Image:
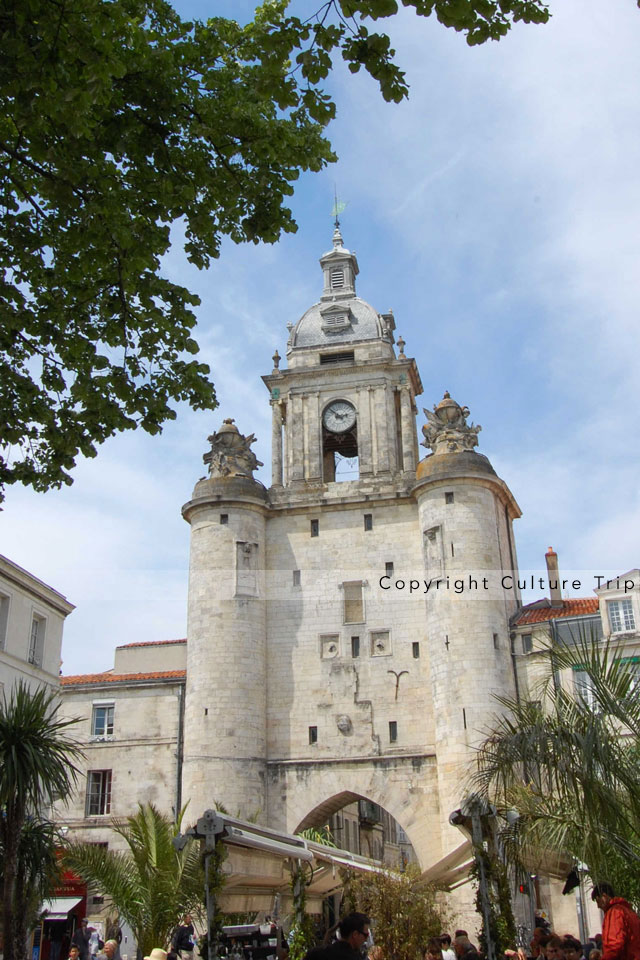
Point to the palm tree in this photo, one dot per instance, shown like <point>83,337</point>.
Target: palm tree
<point>36,768</point>
<point>152,884</point>
<point>38,871</point>
<point>569,764</point>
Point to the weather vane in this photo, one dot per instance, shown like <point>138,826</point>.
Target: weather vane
<point>338,207</point>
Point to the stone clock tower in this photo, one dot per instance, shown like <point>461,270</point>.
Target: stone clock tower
<point>319,670</point>
<point>345,392</point>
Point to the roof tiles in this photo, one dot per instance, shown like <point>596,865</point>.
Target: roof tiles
<point>576,607</point>
<point>149,643</point>
<point>109,677</point>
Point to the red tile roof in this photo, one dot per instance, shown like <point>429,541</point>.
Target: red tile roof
<point>148,643</point>
<point>576,607</point>
<point>109,677</point>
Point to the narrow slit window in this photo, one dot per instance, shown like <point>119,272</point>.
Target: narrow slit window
<point>296,578</point>
<point>496,641</point>
<point>368,521</point>
<point>393,731</point>
<point>388,569</point>
<point>315,528</point>
<point>313,734</point>
<point>416,650</point>
<point>355,647</point>
<point>452,551</point>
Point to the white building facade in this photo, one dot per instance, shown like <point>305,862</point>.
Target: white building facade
<point>32,616</point>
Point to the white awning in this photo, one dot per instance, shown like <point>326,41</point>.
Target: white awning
<point>59,908</point>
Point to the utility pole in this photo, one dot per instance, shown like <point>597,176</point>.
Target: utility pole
<point>208,831</point>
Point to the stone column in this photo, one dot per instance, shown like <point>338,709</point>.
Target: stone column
<point>276,444</point>
<point>392,427</point>
<point>314,438</point>
<point>408,431</point>
<point>380,420</point>
<point>297,437</point>
<point>365,450</point>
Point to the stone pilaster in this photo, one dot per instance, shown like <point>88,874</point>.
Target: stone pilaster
<point>408,433</point>
<point>276,444</point>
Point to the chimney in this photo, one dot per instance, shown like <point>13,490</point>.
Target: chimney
<point>553,576</point>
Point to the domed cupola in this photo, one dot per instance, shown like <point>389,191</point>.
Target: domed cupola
<point>340,317</point>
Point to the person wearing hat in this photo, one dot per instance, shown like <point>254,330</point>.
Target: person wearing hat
<point>157,954</point>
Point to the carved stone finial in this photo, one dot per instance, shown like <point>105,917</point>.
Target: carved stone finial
<point>276,361</point>
<point>401,344</point>
<point>231,454</point>
<point>447,430</point>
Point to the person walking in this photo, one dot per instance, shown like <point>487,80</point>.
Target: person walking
<point>621,925</point>
<point>183,937</point>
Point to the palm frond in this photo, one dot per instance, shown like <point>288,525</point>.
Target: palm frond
<point>569,766</point>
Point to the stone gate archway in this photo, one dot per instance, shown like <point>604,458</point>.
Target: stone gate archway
<point>306,793</point>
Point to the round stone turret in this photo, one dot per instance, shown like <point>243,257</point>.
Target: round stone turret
<point>225,714</point>
<point>466,513</point>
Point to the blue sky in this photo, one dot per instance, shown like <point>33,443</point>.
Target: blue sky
<point>497,212</point>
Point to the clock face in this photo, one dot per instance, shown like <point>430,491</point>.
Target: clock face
<point>339,416</point>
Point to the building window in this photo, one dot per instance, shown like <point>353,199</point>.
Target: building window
<point>4,619</point>
<point>98,793</point>
<point>368,521</point>
<point>527,642</point>
<point>621,615</point>
<point>393,731</point>
<point>313,734</point>
<point>416,650</point>
<point>36,641</point>
<point>496,642</point>
<point>296,578</point>
<point>315,528</point>
<point>388,569</point>
<point>583,688</point>
<point>224,518</point>
<point>331,358</point>
<point>102,720</point>
<point>353,601</point>
<point>355,647</point>
<point>448,498</point>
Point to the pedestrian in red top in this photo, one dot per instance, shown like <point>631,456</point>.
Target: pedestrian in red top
<point>621,925</point>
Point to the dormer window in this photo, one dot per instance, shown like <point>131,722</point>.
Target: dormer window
<point>337,278</point>
<point>335,320</point>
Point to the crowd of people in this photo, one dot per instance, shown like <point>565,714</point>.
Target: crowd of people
<point>351,939</point>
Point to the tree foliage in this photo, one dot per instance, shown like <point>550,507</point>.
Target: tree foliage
<point>120,120</point>
<point>152,885</point>
<point>36,768</point>
<point>405,913</point>
<point>569,765</point>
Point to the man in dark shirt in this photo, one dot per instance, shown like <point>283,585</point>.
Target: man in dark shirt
<point>183,937</point>
<point>354,932</point>
<point>81,938</point>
